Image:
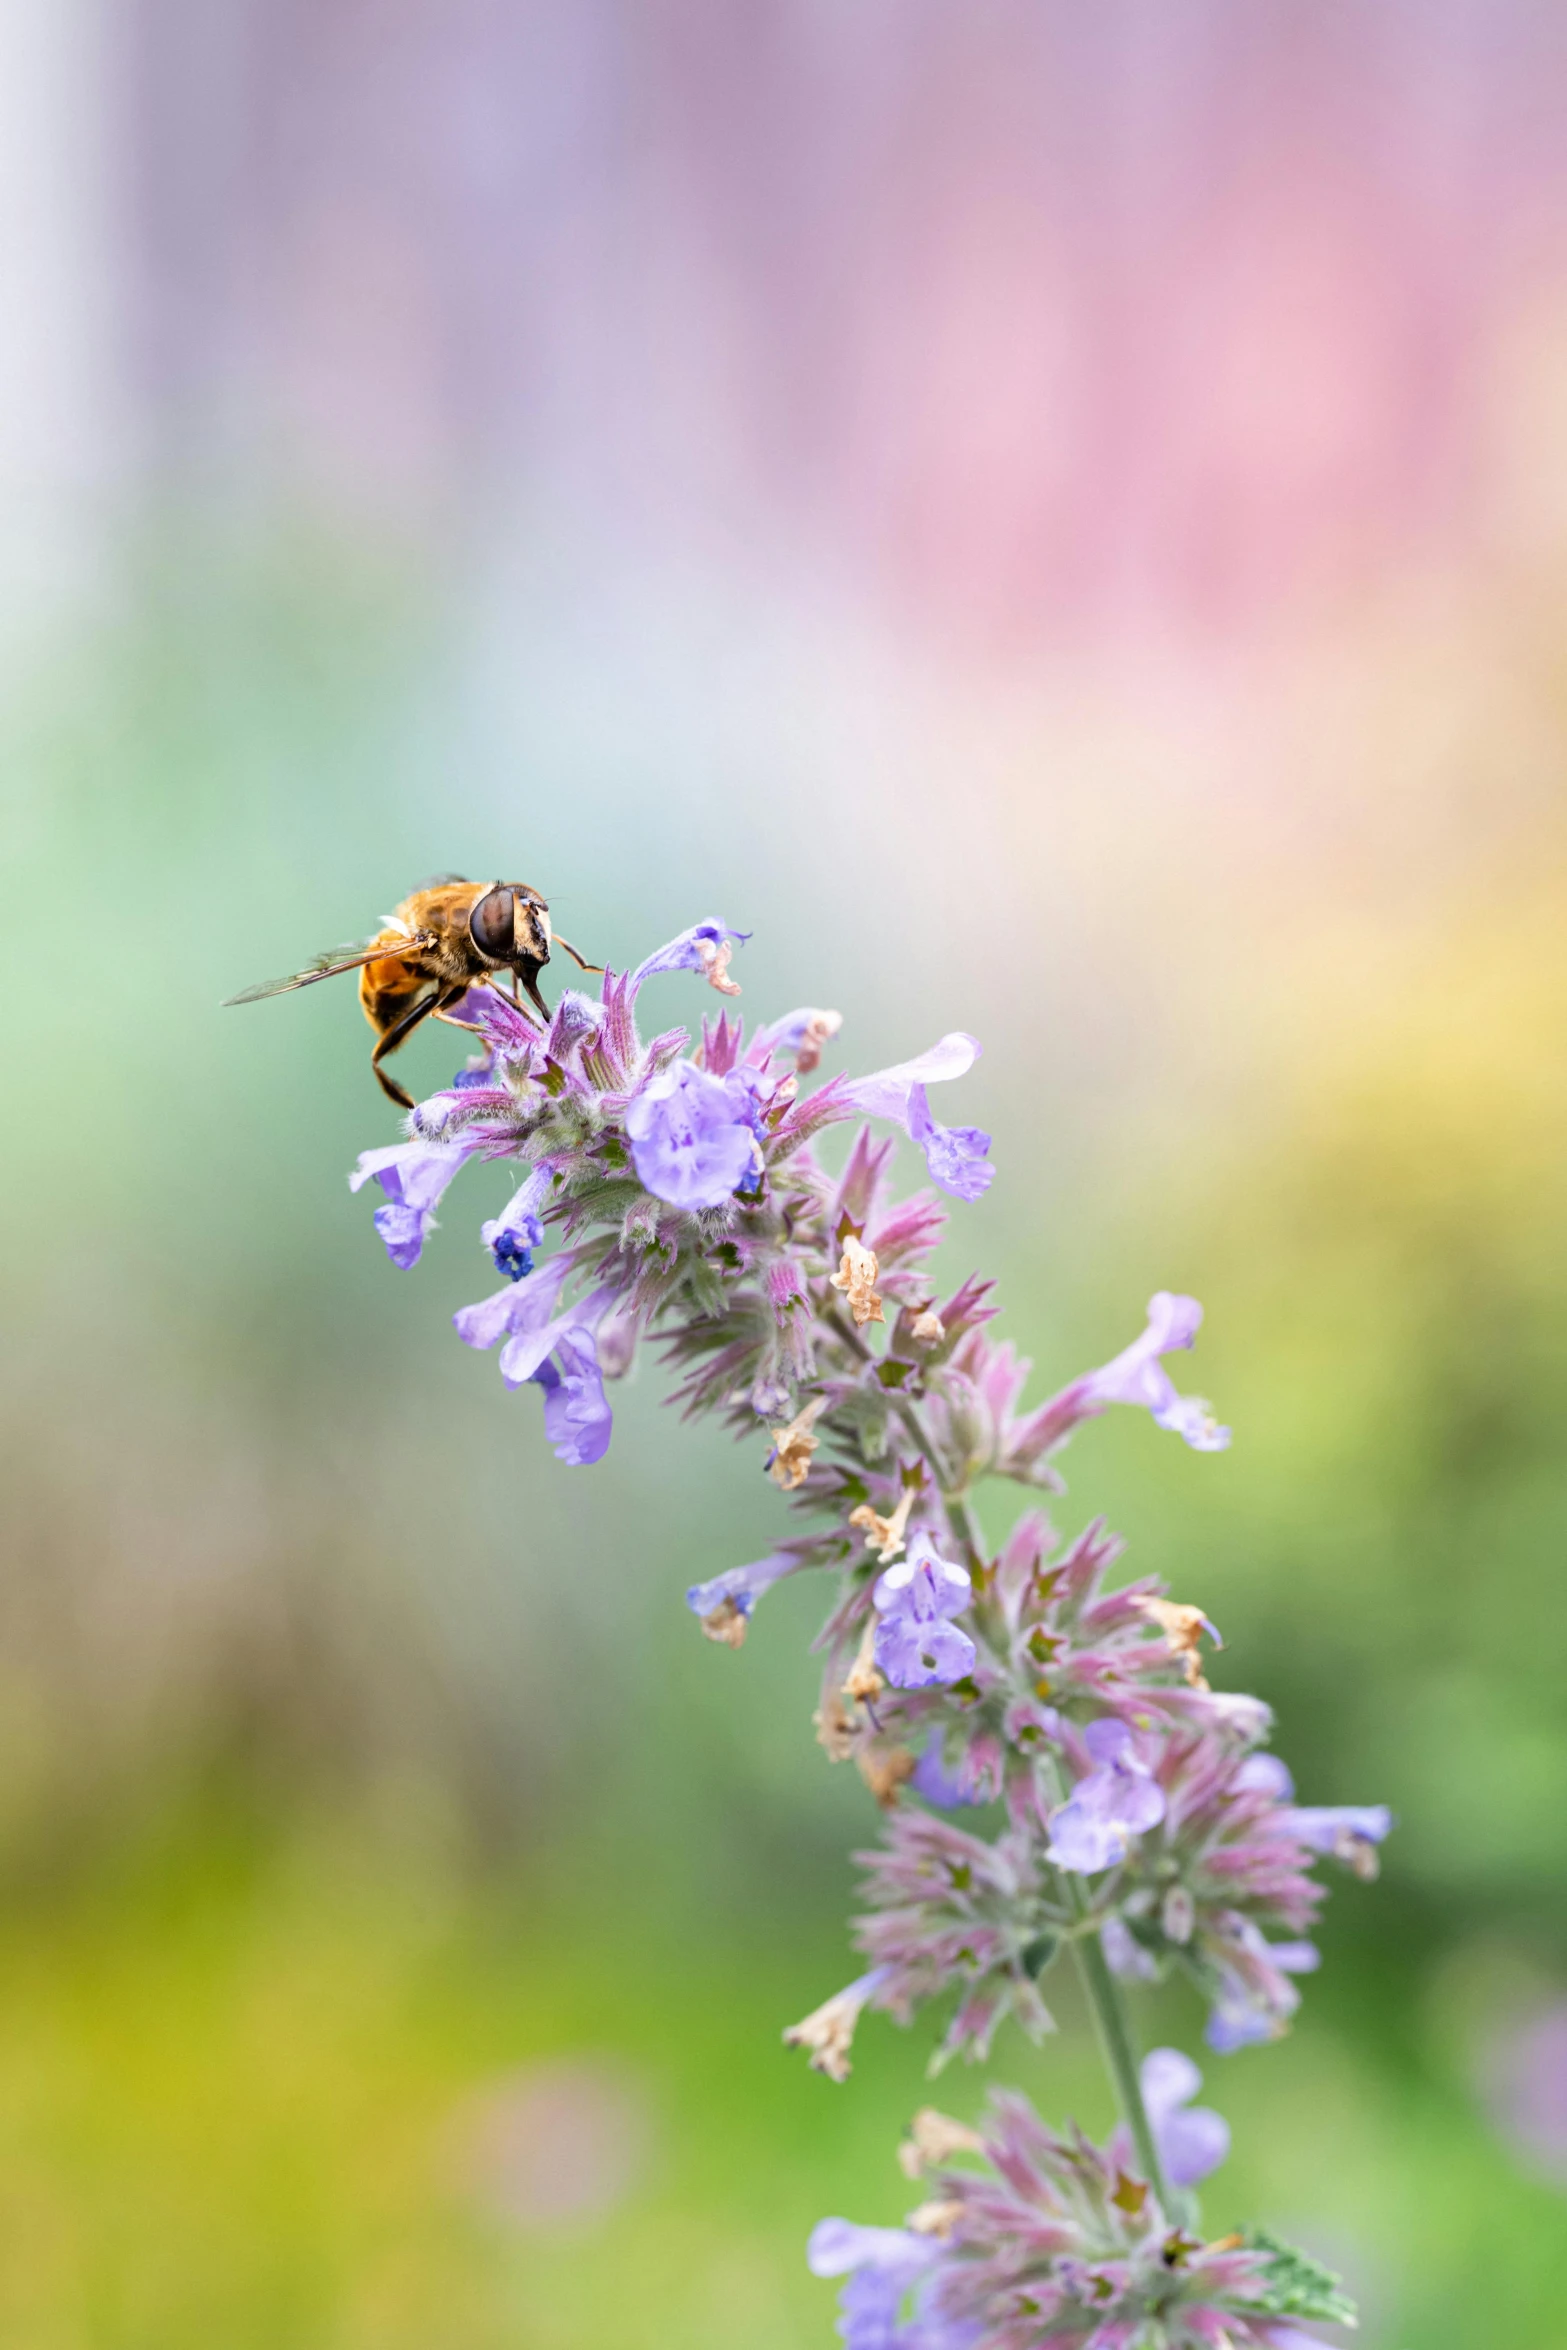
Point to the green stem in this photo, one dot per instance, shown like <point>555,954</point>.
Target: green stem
<point>963,1518</point>
<point>959,1509</point>
<point>960,1515</point>
<point>1113,2025</point>
<point>1115,2038</point>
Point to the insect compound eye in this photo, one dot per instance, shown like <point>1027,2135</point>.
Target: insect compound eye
<point>490,925</point>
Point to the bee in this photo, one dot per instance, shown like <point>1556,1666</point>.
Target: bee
<point>443,939</point>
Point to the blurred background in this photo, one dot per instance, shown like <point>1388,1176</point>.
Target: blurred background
<point>1056,518</point>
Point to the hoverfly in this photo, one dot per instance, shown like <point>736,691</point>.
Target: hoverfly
<point>442,940</point>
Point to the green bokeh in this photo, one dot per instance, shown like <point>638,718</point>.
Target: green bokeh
<point>354,1757</point>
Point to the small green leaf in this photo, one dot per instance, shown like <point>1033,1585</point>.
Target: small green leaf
<point>1294,2285</point>
<point>1036,1955</point>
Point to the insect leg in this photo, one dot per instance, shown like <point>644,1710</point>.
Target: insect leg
<point>399,1032</point>
<point>581,960</point>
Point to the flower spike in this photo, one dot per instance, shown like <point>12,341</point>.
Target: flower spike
<point>1056,1780</point>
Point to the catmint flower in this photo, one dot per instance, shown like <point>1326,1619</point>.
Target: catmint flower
<point>513,1235</point>
<point>513,1252</point>
<point>949,1909</point>
<point>948,1790</point>
<point>513,1311</point>
<point>1125,1955</point>
<point>828,2032</point>
<point>1118,1799</point>
<point>799,1036</point>
<point>723,1604</point>
<point>1058,2245</point>
<point>705,947</point>
<point>917,1644</point>
<point>837,2245</point>
<point>856,1277</point>
<point>691,1137</point>
<point>1138,1376</point>
<point>934,2138</point>
<point>955,1155</point>
<point>884,1535</point>
<point>1349,1832</point>
<point>1227,1872</point>
<point>1183,1628</point>
<point>865,1680</point>
<point>691,1210</point>
<point>1256,1998</point>
<point>577,1418</point>
<point>413,1175</point>
<point>1263,1774</point>
<point>881,2266</point>
<point>789,1462</point>
<point>529,1317</point>
<point>576,1018</point>
<point>1135,1376</point>
<point>1192,2140</point>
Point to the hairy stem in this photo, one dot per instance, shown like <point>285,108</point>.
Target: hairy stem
<point>963,1518</point>
<point>1115,2038</point>
<point>960,1514</point>
<point>1112,2025</point>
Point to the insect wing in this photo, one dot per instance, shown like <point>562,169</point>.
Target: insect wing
<point>328,966</point>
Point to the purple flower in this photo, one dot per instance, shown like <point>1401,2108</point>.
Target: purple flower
<point>576,1016</point>
<point>529,1317</point>
<point>838,2246</point>
<point>1234,2024</point>
<point>1125,1954</point>
<point>577,1418</point>
<point>705,947</point>
<point>739,1588</point>
<point>506,1034</point>
<point>1257,2001</point>
<point>413,1176</point>
<point>691,1137</point>
<point>513,1235</point>
<point>516,1312</point>
<point>1116,1801</point>
<point>955,1155</point>
<point>917,1646</point>
<point>881,2265</point>
<point>799,1036</point>
<point>948,1790</point>
<point>1137,1376</point>
<point>1349,1832</point>
<point>1263,1774</point>
<point>1192,2140</point>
